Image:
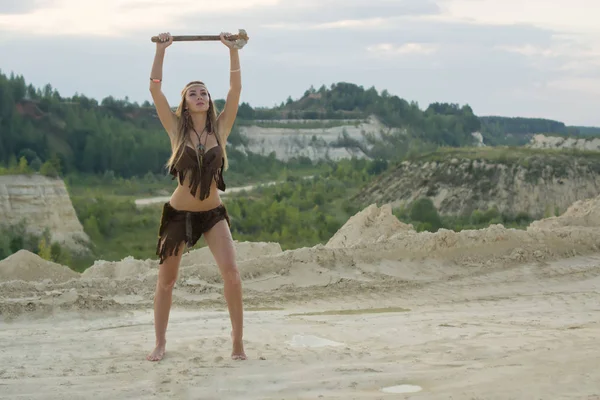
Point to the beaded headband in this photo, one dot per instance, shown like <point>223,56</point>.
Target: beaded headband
<point>191,85</point>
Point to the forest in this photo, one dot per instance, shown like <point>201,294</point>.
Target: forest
<point>78,134</point>
<point>83,135</point>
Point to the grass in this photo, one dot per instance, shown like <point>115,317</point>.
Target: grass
<point>503,154</point>
<point>537,162</point>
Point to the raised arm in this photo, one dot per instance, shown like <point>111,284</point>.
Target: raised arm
<point>166,116</point>
<point>227,117</point>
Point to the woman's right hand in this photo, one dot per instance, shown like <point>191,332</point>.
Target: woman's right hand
<point>164,41</point>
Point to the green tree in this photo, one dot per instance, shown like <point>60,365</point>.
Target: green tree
<point>23,167</point>
<point>45,250</point>
<point>51,167</point>
<point>91,227</point>
<point>423,210</point>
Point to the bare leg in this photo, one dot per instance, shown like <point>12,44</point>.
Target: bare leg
<point>220,242</point>
<point>163,297</point>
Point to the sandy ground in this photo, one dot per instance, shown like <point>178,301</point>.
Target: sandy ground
<point>489,314</point>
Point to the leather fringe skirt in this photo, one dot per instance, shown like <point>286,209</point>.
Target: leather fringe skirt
<point>179,226</point>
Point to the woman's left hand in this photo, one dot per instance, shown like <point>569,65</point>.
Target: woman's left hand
<point>226,41</point>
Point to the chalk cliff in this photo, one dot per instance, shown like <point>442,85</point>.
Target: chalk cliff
<point>341,139</point>
<point>42,202</point>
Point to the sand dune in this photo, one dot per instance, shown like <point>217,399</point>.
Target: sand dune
<point>494,313</point>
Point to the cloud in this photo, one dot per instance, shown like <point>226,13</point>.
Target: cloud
<point>389,49</point>
<point>504,58</point>
<point>573,24</point>
<point>530,50</point>
<point>370,23</point>
<point>306,15</point>
<point>9,7</point>
<point>113,17</point>
<point>360,9</point>
<point>558,15</point>
<point>313,12</point>
<point>120,17</point>
<point>564,55</point>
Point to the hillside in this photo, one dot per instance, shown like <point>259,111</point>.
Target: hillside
<point>516,181</point>
<point>518,131</point>
<point>93,137</point>
<point>125,139</point>
<point>540,141</point>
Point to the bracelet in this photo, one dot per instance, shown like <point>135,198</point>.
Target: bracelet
<point>156,80</point>
<point>235,70</point>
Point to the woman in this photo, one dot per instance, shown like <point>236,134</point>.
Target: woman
<point>198,139</point>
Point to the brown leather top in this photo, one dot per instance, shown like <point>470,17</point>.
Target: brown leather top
<point>212,167</point>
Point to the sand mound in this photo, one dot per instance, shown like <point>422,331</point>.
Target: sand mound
<point>373,250</point>
<point>243,251</point>
<point>375,234</point>
<point>128,267</point>
<point>583,213</point>
<point>27,266</point>
<point>371,225</point>
<point>131,268</point>
<point>308,264</point>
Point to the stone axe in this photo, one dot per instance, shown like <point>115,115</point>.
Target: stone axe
<point>239,40</point>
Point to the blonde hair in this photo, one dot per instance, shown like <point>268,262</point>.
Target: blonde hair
<point>185,122</point>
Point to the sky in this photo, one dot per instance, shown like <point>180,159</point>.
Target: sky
<point>526,58</point>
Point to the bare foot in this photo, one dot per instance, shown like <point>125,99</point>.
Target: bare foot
<point>158,353</point>
<point>238,349</point>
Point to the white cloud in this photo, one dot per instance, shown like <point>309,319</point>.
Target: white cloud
<point>575,22</point>
<point>572,15</point>
<point>354,23</point>
<point>115,17</point>
<point>572,54</point>
<point>369,23</point>
<point>389,49</point>
<point>530,50</point>
<point>565,55</point>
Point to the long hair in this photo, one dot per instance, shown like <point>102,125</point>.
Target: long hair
<point>185,122</point>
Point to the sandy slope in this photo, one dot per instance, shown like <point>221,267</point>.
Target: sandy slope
<point>489,314</point>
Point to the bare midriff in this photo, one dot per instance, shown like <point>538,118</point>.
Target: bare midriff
<point>182,199</point>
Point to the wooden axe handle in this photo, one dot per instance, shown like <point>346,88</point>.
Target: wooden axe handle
<point>193,38</point>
